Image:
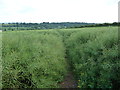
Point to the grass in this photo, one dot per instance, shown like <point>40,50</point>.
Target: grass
<point>37,59</point>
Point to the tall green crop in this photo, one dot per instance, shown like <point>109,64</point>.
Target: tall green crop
<point>32,59</point>
<point>36,59</point>
<point>94,57</point>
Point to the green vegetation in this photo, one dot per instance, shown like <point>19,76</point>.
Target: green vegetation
<point>93,54</point>
<point>37,59</point>
<point>32,59</point>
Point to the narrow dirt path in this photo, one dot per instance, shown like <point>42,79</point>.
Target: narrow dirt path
<point>69,80</point>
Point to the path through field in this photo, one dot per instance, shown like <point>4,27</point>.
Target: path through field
<point>69,80</point>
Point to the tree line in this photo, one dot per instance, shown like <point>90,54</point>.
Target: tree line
<point>47,25</point>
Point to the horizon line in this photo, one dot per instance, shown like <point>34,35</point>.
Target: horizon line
<point>56,22</point>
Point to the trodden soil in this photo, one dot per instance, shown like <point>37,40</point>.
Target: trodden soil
<point>69,81</point>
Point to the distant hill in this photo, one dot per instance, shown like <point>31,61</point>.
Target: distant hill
<point>44,25</point>
<point>54,25</point>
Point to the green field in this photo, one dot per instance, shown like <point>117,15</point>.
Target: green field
<point>41,58</point>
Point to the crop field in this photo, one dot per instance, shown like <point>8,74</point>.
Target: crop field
<point>42,58</point>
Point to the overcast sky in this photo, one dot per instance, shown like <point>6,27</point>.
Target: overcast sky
<point>97,11</point>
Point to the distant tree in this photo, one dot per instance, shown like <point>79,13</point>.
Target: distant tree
<point>115,23</point>
<point>17,25</point>
<point>4,29</point>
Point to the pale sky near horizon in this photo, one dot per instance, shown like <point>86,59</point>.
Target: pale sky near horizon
<point>94,11</point>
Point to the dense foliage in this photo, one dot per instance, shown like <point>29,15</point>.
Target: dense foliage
<point>93,54</point>
<point>36,59</point>
<point>32,59</point>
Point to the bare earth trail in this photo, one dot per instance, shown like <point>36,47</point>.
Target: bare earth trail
<point>69,80</point>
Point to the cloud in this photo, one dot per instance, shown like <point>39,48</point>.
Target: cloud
<point>58,10</point>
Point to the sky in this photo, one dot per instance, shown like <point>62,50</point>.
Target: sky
<point>36,11</point>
